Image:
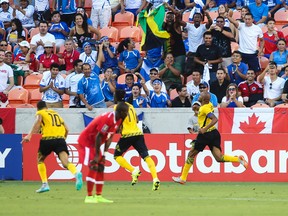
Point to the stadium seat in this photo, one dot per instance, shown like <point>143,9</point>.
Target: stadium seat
<point>138,47</point>
<point>20,80</point>
<point>284,105</point>
<point>173,94</point>
<point>33,32</point>
<point>120,25</point>
<point>125,17</point>
<point>26,105</point>
<point>26,33</point>
<point>35,96</point>
<point>189,78</point>
<point>263,62</point>
<point>121,78</point>
<point>285,31</point>
<point>32,81</point>
<point>111,32</point>
<point>65,99</point>
<point>88,7</point>
<point>185,16</point>
<point>18,96</point>
<point>260,105</point>
<point>130,31</point>
<point>236,14</point>
<point>281,17</point>
<point>213,15</point>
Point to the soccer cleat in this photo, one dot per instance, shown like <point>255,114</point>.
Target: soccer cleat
<point>90,199</point>
<point>101,199</point>
<point>135,175</point>
<point>178,180</point>
<point>156,184</point>
<point>79,181</point>
<point>44,188</point>
<point>243,161</point>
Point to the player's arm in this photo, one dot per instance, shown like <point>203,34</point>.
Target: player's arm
<point>35,129</point>
<point>214,120</point>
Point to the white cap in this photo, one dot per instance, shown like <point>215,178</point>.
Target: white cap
<point>24,44</point>
<point>3,1</point>
<point>48,44</point>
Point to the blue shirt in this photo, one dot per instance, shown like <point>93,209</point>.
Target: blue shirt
<point>96,70</point>
<point>106,91</point>
<point>130,58</point>
<point>90,88</point>
<point>62,7</point>
<point>213,99</point>
<point>158,101</point>
<point>271,3</point>
<point>258,11</point>
<point>126,88</point>
<point>109,62</point>
<point>137,100</point>
<point>1,26</point>
<point>244,2</point>
<point>59,35</point>
<point>234,77</point>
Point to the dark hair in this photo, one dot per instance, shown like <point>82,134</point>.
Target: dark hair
<point>19,27</point>
<point>75,63</point>
<point>198,14</point>
<point>54,65</point>
<point>119,95</point>
<point>55,12</point>
<point>179,87</point>
<point>207,33</point>
<point>85,65</point>
<point>221,17</point>
<point>84,24</point>
<point>130,99</point>
<point>237,52</point>
<point>222,69</point>
<point>123,44</point>
<point>41,104</point>
<point>249,14</point>
<point>273,63</point>
<point>270,19</point>
<point>281,39</point>
<point>43,21</point>
<point>129,75</point>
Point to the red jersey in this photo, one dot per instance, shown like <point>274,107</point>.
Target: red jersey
<point>46,61</point>
<point>70,58</point>
<point>105,124</point>
<point>33,64</point>
<point>270,42</point>
<point>247,90</point>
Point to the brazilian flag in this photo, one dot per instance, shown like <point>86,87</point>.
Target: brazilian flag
<point>151,23</point>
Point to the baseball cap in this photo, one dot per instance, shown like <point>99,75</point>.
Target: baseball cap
<point>4,1</point>
<point>154,69</point>
<point>24,44</point>
<point>86,44</point>
<point>203,84</point>
<point>48,44</point>
<point>196,103</point>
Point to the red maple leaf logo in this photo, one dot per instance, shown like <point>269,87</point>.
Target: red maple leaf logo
<point>252,126</point>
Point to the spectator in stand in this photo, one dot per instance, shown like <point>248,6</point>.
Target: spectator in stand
<point>136,99</point>
<point>203,87</point>
<point>271,37</point>
<point>127,86</point>
<point>237,70</point>
<point>17,49</point>
<point>42,10</point>
<point>170,72</point>
<point>59,29</point>
<point>244,10</point>
<point>280,56</point>
<point>6,12</point>
<point>232,98</point>
<point>273,85</point>
<point>52,86</point>
<point>222,37</point>
<point>129,60</point>
<point>157,98</point>
<point>71,84</point>
<point>24,12</point>
<point>250,90</point>
<point>193,85</point>
<point>219,86</point>
<point>273,6</point>
<point>193,126</point>
<point>110,57</point>
<point>2,31</point>
<point>183,99</point>
<point>88,56</point>
<point>284,95</point>
<point>48,58</point>
<point>131,6</point>
<point>15,32</point>
<point>285,75</point>
<point>195,37</point>
<point>108,86</point>
<point>259,12</point>
<point>240,3</point>
<point>89,89</point>
<point>153,75</point>
<point>248,42</point>
<point>82,32</point>
<point>208,54</point>
<point>26,59</point>
<point>67,8</point>
<point>82,11</point>
<point>38,40</point>
<point>69,55</point>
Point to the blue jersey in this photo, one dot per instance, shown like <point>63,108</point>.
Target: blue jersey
<point>109,62</point>
<point>158,101</point>
<point>130,58</point>
<point>137,101</point>
<point>61,6</point>
<point>258,11</point>
<point>2,27</point>
<point>126,88</point>
<point>234,77</point>
<point>90,88</point>
<point>96,70</point>
<point>106,91</point>
<point>59,35</point>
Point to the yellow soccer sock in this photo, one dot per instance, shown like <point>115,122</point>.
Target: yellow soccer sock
<point>151,166</point>
<point>228,158</point>
<point>71,167</point>
<point>42,172</point>
<point>186,168</point>
<point>123,163</point>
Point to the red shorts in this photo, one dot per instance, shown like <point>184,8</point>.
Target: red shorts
<point>86,154</point>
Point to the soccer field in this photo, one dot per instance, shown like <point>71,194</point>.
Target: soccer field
<point>19,198</point>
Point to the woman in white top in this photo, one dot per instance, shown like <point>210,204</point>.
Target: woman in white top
<point>232,98</point>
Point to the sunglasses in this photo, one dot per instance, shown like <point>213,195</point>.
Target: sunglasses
<point>3,44</point>
<point>202,87</point>
<point>48,47</point>
<point>153,74</point>
<point>231,89</point>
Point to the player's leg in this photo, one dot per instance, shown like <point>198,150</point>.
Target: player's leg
<point>43,151</point>
<point>99,181</point>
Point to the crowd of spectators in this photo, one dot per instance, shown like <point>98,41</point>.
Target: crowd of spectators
<point>75,59</point>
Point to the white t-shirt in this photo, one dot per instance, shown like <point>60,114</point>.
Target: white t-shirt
<point>195,36</point>
<point>248,38</point>
<point>133,4</point>
<point>91,59</point>
<point>5,72</point>
<point>273,89</point>
<point>100,4</point>
<point>38,37</point>
<point>71,82</point>
<point>27,19</point>
<point>6,16</point>
<point>192,89</point>
<point>50,95</point>
<point>42,5</point>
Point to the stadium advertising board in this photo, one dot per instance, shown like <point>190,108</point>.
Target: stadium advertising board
<point>10,157</point>
<point>267,155</point>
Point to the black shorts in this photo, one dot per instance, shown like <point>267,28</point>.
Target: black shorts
<point>212,139</point>
<point>137,142</point>
<point>55,145</point>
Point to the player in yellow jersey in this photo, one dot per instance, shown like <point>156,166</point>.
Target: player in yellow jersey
<point>131,135</point>
<point>207,135</point>
<point>54,132</point>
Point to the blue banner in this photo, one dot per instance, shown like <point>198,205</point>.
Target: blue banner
<point>11,157</point>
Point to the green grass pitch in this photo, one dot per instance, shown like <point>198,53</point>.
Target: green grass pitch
<point>193,198</point>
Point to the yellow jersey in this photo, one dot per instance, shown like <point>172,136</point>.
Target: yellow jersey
<point>129,126</point>
<point>203,114</point>
<point>52,125</point>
